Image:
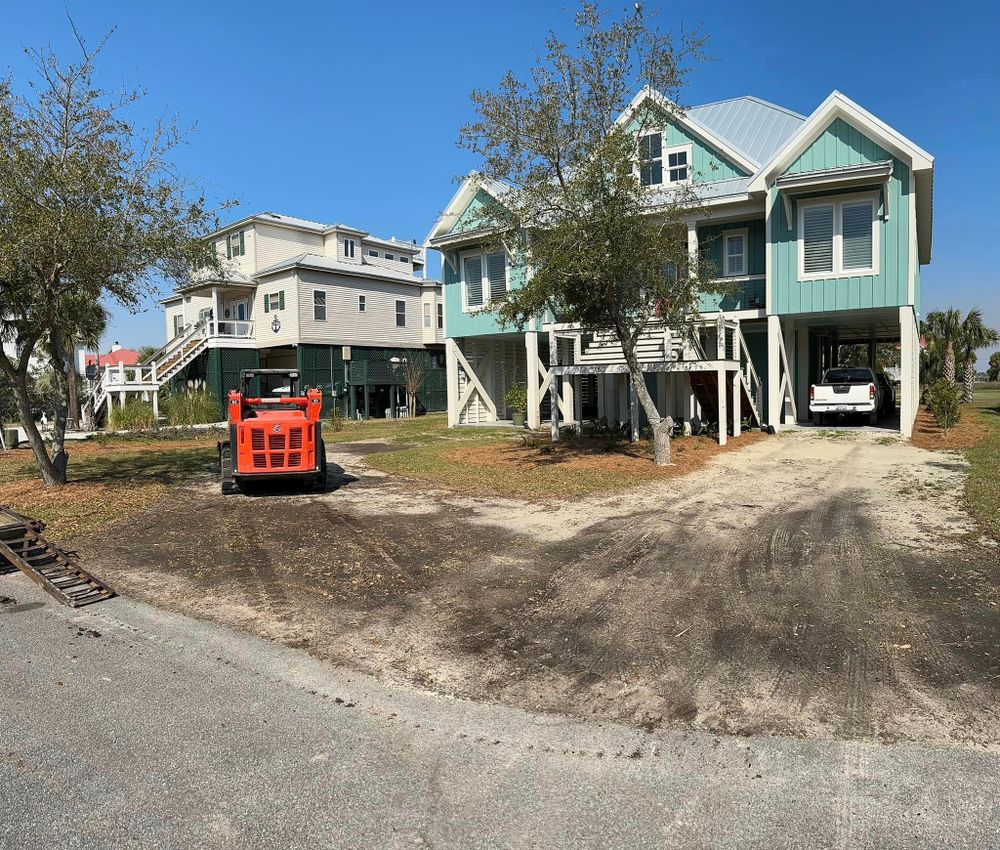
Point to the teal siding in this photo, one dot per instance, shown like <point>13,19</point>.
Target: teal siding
<point>458,323</point>
<point>841,145</point>
<point>471,217</point>
<point>751,293</point>
<point>708,164</point>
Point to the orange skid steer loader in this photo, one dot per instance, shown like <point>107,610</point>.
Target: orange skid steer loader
<point>275,435</point>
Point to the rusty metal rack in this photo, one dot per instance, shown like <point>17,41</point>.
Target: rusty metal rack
<point>22,547</point>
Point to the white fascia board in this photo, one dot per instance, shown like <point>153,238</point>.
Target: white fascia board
<point>677,114</point>
<point>838,105</point>
<point>472,183</point>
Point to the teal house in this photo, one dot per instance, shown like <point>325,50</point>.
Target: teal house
<point>821,224</point>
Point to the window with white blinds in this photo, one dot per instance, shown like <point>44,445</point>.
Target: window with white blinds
<point>736,251</point>
<point>496,271</point>
<point>817,240</point>
<point>838,237</point>
<point>473,269</point>
<point>856,218</point>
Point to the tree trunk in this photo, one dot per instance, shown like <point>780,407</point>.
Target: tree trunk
<point>968,379</point>
<point>949,364</point>
<point>60,458</point>
<point>661,426</point>
<point>73,419</point>
<point>48,470</point>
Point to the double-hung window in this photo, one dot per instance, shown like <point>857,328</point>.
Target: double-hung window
<point>485,279</point>
<point>362,304</point>
<point>838,237</point>
<point>440,316</point>
<point>400,313</point>
<point>427,315</point>
<point>349,248</point>
<point>274,301</point>
<point>319,305</point>
<point>235,245</point>
<point>734,251</point>
<point>651,159</point>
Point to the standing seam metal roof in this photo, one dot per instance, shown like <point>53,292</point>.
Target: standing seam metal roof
<point>753,126</point>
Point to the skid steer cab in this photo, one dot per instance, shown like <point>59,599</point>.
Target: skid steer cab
<point>274,434</point>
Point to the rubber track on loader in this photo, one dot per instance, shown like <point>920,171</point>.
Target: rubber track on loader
<point>47,565</point>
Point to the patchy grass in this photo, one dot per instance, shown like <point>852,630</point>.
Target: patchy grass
<point>982,487</point>
<point>110,479</point>
<point>502,462</point>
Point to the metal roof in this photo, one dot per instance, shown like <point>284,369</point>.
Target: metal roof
<point>321,263</point>
<point>753,126</point>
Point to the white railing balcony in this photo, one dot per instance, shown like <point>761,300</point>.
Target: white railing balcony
<point>230,329</point>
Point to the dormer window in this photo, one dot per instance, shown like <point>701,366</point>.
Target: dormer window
<point>678,163</point>
<point>235,245</point>
<point>651,159</point>
<point>349,247</point>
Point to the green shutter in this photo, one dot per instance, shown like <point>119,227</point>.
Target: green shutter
<point>243,249</point>
<point>229,250</point>
<point>281,300</point>
<point>267,303</point>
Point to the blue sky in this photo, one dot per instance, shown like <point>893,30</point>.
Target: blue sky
<point>349,112</point>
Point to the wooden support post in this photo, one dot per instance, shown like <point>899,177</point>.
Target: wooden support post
<point>802,379</point>
<point>633,409</point>
<point>737,404</point>
<point>723,418</point>
<point>569,397</point>
<point>156,407</point>
<point>554,404</point>
<point>531,370</point>
<point>909,371</point>
<point>451,367</point>
<point>774,400</point>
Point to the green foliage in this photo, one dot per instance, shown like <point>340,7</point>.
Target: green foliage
<point>136,415</point>
<point>993,372</point>
<point>516,397</point>
<point>145,352</point>
<point>856,355</point>
<point>944,399</point>
<point>193,407</point>
<point>337,418</point>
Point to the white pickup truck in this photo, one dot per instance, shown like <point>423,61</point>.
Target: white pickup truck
<point>846,390</point>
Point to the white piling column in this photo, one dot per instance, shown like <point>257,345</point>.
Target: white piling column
<point>737,404</point>
<point>534,396</point>
<point>774,400</point>
<point>578,403</point>
<point>723,415</point>
<point>451,366</point>
<point>633,409</point>
<point>554,404</point>
<point>569,397</point>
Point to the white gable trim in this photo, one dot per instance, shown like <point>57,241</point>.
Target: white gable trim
<point>460,201</point>
<point>838,105</point>
<point>689,124</point>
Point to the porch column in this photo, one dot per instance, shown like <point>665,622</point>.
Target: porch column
<point>633,410</point>
<point>534,396</point>
<point>602,409</point>
<point>554,405</point>
<point>692,245</point>
<point>214,326</point>
<point>156,407</point>
<point>723,391</point>
<point>451,372</point>
<point>577,380</point>
<point>737,404</point>
<point>909,371</point>
<point>773,371</point>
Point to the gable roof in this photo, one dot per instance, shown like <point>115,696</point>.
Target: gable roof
<point>470,185</point>
<point>749,124</point>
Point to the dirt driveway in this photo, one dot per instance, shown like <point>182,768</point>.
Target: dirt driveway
<point>811,584</point>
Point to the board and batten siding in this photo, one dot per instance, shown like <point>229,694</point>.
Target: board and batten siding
<point>839,145</point>
<point>751,293</point>
<point>275,244</point>
<point>345,325</point>
<point>288,332</point>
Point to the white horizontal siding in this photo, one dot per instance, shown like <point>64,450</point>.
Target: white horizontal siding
<point>274,244</point>
<point>288,333</point>
<point>345,325</point>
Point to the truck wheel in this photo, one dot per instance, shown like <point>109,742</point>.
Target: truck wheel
<point>817,418</point>
<point>226,470</point>
<point>873,418</point>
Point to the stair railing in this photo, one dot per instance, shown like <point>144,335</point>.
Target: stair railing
<point>754,385</point>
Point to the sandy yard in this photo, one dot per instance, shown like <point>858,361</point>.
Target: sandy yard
<point>812,584</point>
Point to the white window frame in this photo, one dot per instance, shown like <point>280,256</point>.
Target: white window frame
<point>732,234</point>
<point>396,312</point>
<point>373,253</point>
<point>837,202</point>
<point>440,315</point>
<point>234,244</point>
<point>662,158</point>
<point>487,297</point>
<point>403,258</point>
<point>350,248</point>
<point>389,256</point>
<point>428,321</point>
<point>686,149</point>
<point>362,303</point>
<point>315,305</point>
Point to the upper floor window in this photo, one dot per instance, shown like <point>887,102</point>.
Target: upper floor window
<point>838,237</point>
<point>362,304</point>
<point>389,256</point>
<point>400,313</point>
<point>678,163</point>
<point>319,305</point>
<point>372,252</point>
<point>440,316</point>
<point>349,248</point>
<point>427,316</point>
<point>734,250</point>
<point>274,301</point>
<point>235,245</point>
<point>403,258</point>
<point>178,324</point>
<point>651,159</point>
<point>484,278</point>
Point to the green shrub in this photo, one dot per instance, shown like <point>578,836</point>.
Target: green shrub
<point>516,397</point>
<point>136,415</point>
<point>194,407</point>
<point>337,418</point>
<point>944,400</point>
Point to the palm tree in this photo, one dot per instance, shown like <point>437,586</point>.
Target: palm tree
<point>974,335</point>
<point>942,329</point>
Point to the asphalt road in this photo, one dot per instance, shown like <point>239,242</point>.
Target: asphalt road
<point>124,726</point>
